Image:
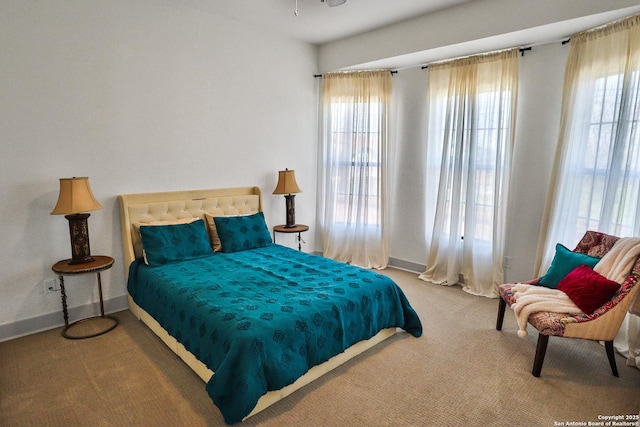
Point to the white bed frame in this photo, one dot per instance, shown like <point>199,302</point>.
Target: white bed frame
<point>149,207</point>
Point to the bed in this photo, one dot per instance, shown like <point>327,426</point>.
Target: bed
<point>266,318</point>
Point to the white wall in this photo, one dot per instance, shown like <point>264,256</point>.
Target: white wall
<point>139,96</point>
<point>408,152</point>
<point>152,96</point>
<point>537,128</point>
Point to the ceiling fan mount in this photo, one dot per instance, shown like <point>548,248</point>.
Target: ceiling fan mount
<point>333,3</point>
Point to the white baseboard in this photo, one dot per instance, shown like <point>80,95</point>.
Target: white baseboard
<point>407,265</point>
<point>399,264</point>
<point>55,320</point>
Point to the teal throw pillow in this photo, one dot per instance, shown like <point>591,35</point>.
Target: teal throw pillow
<point>176,242</point>
<point>239,233</point>
<point>563,263</point>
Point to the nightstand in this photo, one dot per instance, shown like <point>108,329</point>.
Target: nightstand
<point>298,228</point>
<point>63,268</point>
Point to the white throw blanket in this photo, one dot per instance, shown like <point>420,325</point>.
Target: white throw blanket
<point>534,298</point>
<point>618,262</point>
<point>615,265</point>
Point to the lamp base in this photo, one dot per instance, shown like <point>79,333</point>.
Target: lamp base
<point>79,233</point>
<point>291,210</point>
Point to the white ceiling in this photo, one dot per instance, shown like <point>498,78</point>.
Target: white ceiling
<point>316,22</point>
<point>549,33</point>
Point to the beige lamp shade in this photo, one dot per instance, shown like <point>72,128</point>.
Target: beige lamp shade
<point>75,197</point>
<point>287,183</point>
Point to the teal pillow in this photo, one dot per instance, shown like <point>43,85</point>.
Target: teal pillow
<point>239,233</point>
<point>563,263</point>
<point>176,242</point>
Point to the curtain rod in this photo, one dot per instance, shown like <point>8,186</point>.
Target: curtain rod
<point>391,71</point>
<point>522,50</point>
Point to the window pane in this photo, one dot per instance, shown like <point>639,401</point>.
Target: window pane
<point>354,142</point>
<point>610,187</point>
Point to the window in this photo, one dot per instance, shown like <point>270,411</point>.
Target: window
<point>596,177</point>
<point>609,193</point>
<point>471,104</point>
<point>353,165</point>
<point>484,127</point>
<point>358,163</point>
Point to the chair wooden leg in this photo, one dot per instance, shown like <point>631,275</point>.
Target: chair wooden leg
<point>501,307</point>
<point>612,358</point>
<point>541,349</point>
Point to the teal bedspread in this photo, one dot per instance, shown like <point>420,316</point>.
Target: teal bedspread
<point>262,318</point>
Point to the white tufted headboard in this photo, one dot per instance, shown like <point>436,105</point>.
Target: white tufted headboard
<point>149,207</point>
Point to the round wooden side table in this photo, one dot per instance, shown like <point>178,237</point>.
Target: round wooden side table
<point>298,228</point>
<point>63,268</point>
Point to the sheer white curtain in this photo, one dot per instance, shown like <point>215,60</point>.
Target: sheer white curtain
<point>596,176</point>
<point>355,106</point>
<point>471,108</point>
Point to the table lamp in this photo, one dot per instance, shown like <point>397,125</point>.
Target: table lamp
<point>74,200</point>
<point>287,185</point>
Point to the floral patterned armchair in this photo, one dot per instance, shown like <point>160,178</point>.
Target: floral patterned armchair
<point>601,325</point>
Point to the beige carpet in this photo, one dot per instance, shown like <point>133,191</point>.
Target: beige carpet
<point>461,372</point>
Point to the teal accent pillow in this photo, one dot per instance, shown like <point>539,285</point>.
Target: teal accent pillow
<point>239,233</point>
<point>563,263</point>
<point>176,242</point>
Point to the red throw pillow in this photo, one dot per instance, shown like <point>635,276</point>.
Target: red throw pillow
<point>588,289</point>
